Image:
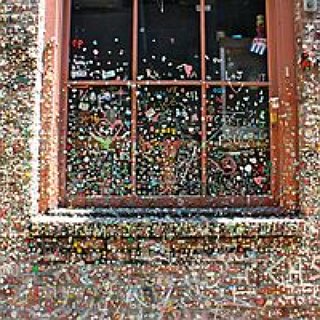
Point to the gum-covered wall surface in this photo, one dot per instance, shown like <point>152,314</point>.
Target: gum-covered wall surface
<point>152,268</point>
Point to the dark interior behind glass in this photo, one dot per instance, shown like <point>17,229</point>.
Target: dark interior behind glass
<point>101,39</point>
<point>169,39</point>
<point>231,27</point>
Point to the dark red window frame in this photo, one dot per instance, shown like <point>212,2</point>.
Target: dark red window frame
<point>281,84</point>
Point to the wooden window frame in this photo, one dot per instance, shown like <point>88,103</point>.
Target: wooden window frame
<point>283,131</point>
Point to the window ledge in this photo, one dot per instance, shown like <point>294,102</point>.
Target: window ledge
<point>170,237</point>
<point>168,223</point>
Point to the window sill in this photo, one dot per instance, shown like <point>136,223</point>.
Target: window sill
<point>168,223</point>
<point>98,236</point>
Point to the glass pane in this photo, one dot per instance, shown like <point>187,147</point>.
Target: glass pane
<point>100,45</point>
<point>236,40</point>
<point>169,137</point>
<point>169,42</point>
<point>238,141</point>
<point>98,141</point>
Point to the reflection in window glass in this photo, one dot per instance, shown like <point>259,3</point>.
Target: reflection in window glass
<point>238,141</point>
<point>169,43</point>
<point>100,40</point>
<point>236,40</point>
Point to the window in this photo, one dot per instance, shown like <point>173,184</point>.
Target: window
<point>174,103</point>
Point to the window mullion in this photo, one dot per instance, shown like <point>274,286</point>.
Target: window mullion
<point>203,100</point>
<point>134,71</point>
